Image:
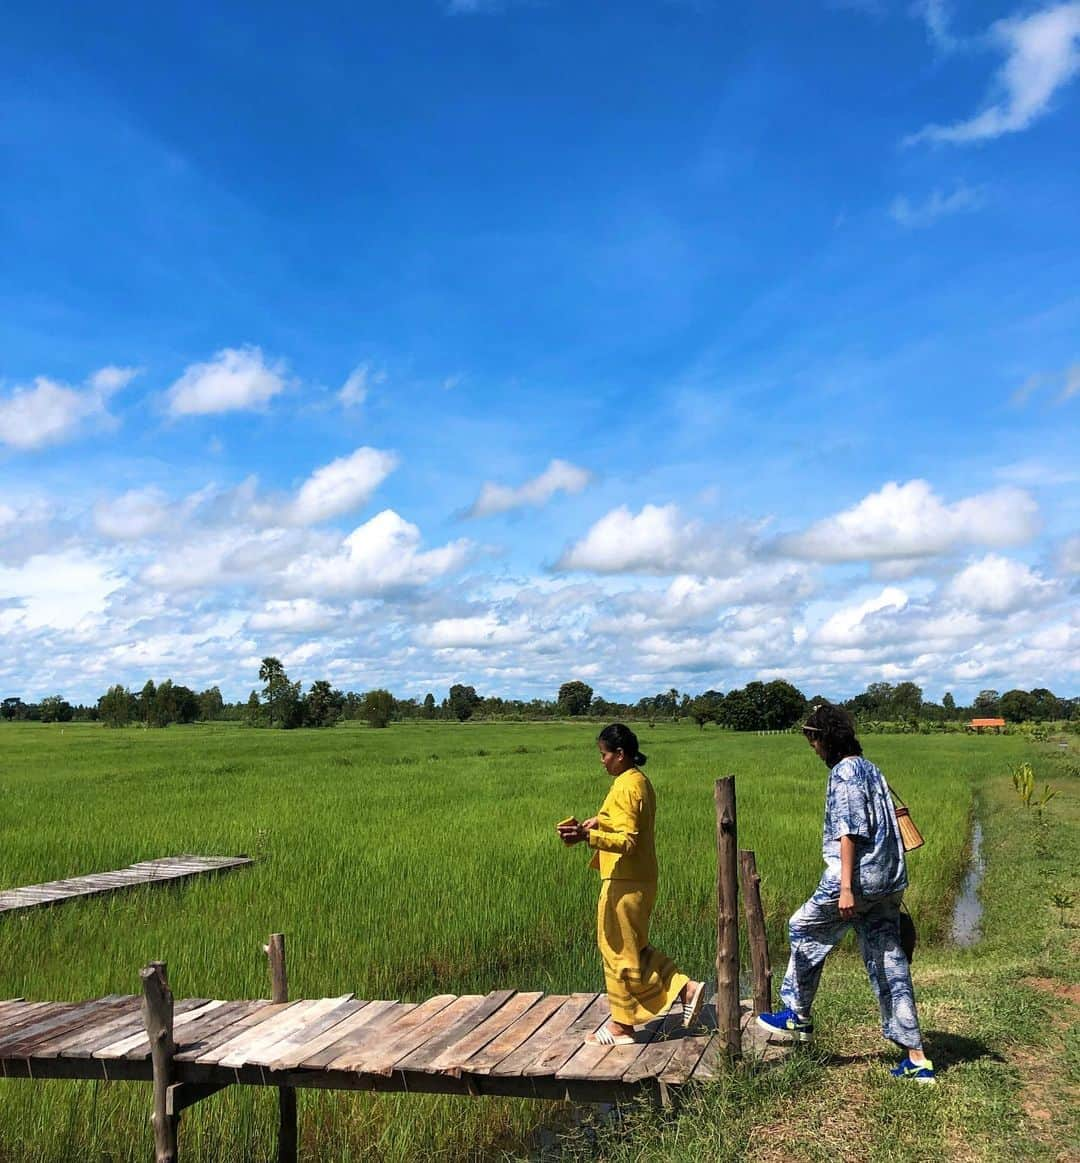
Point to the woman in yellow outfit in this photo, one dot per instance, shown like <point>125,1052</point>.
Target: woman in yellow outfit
<point>641,981</point>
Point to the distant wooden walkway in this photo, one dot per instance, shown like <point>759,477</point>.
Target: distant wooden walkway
<point>169,869</point>
<point>502,1043</point>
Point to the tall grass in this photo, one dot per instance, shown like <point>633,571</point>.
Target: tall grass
<point>399,863</point>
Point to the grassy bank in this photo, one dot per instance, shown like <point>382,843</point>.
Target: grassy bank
<point>400,863</point>
<point>1001,1020</point>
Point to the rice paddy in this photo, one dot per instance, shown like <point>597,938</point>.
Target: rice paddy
<point>399,863</point>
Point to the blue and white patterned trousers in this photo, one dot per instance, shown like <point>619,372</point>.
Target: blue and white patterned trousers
<point>817,928</point>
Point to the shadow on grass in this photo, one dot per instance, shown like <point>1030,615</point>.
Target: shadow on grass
<point>944,1050</point>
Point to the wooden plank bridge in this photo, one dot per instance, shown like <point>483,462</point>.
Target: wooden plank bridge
<point>525,1044</point>
<point>167,870</point>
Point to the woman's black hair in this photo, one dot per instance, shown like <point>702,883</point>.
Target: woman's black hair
<point>619,737</point>
<point>834,727</point>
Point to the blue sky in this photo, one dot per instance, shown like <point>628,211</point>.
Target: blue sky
<point>666,343</point>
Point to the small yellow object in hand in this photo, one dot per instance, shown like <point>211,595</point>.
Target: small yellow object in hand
<point>567,822</point>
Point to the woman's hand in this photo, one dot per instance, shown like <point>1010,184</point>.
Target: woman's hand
<point>846,904</point>
<point>572,833</point>
<point>590,823</point>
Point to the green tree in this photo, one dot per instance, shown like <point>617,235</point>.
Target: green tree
<point>1017,706</point>
<point>211,704</point>
<point>1047,705</point>
<point>428,711</point>
<point>462,702</point>
<point>146,702</point>
<point>56,709</point>
<point>278,692</point>
<point>783,705</point>
<point>378,706</point>
<point>323,704</point>
<point>706,708</point>
<point>949,703</point>
<point>115,706</point>
<point>253,712</point>
<point>986,704</point>
<point>906,702</point>
<point>574,698</point>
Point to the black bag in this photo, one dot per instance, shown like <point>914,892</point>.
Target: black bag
<point>908,936</point>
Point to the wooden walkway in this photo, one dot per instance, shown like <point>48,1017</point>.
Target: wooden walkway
<point>169,869</point>
<point>501,1043</point>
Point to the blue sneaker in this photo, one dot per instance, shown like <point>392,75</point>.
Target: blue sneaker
<point>915,1071</point>
<point>787,1026</point>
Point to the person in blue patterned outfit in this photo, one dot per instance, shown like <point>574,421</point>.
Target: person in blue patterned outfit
<point>861,888</point>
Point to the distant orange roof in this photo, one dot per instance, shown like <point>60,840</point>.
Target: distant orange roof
<point>987,723</point>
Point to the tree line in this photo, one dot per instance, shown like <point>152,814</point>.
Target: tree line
<point>758,706</point>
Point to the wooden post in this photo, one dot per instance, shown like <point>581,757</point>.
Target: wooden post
<point>279,992</point>
<point>157,1011</point>
<point>727,919</point>
<point>755,928</point>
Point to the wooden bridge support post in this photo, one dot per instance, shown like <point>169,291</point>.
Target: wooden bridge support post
<point>727,919</point>
<point>755,928</point>
<point>279,992</point>
<point>157,1011</point>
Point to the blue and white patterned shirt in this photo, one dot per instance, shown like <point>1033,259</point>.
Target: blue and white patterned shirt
<point>857,803</point>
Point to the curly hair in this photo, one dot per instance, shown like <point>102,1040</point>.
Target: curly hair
<point>833,726</point>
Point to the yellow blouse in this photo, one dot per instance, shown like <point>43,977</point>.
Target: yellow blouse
<point>623,840</point>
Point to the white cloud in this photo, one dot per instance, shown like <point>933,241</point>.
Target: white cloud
<point>296,616</point>
<point>133,515</point>
<point>340,486</point>
<point>1042,56</point>
<point>855,625</point>
<point>658,540</point>
<point>937,205</point>
<point>999,585</point>
<point>50,412</point>
<point>55,590</point>
<point>1070,554</point>
<point>935,14</point>
<point>355,389</point>
<point>236,379</point>
<point>559,476</point>
<point>479,632</point>
<point>910,520</point>
<point>380,556</point>
<point>1072,384</point>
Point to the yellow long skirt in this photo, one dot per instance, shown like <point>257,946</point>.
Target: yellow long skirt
<point>641,981</point>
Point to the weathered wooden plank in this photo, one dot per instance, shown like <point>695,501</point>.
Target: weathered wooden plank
<point>206,1040</point>
<point>469,1019</point>
<point>309,1031</point>
<point>247,1051</point>
<point>515,1035</point>
<point>298,1056</point>
<point>713,1060</point>
<point>50,1024</point>
<point>565,1044</point>
<point>81,1044</point>
<point>373,1050</point>
<point>651,1059</point>
<point>271,1018</point>
<point>516,1062</point>
<point>357,1038</point>
<point>91,1023</point>
<point>599,1061</point>
<point>31,1012</point>
<point>137,1045</point>
<point>680,1066</point>
<point>453,1058</point>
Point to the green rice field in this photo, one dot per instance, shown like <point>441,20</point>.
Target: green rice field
<point>400,863</point>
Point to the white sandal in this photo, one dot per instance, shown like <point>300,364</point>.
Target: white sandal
<point>604,1037</point>
<point>692,1008</point>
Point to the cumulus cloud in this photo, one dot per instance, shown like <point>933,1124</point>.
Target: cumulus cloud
<point>1070,554</point>
<point>658,540</point>
<point>999,585</point>
<point>295,616</point>
<point>55,590</point>
<point>559,477</point>
<point>381,556</point>
<point>856,624</point>
<point>910,520</point>
<point>340,486</point>
<point>479,632</point>
<point>135,514</point>
<point>938,205</point>
<point>1041,57</point>
<point>236,379</point>
<point>49,412</point>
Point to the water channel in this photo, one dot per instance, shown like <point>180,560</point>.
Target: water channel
<point>967,912</point>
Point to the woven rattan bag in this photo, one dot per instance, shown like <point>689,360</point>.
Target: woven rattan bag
<point>910,836</point>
